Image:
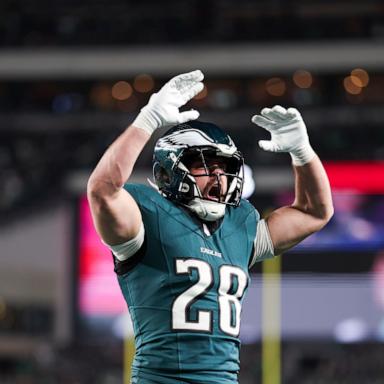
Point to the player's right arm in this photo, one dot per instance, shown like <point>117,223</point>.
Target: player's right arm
<point>115,213</point>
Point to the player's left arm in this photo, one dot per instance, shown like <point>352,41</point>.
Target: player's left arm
<point>312,207</point>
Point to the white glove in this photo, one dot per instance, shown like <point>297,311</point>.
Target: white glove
<point>162,109</point>
<point>288,133</point>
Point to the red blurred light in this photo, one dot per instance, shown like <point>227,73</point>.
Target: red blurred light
<point>361,177</point>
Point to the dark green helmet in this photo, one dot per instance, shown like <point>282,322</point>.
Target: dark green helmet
<point>178,148</point>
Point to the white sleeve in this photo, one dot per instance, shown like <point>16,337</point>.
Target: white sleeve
<point>126,250</point>
<point>263,246</point>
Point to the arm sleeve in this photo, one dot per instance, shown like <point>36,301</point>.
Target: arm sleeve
<point>262,245</point>
<point>126,250</point>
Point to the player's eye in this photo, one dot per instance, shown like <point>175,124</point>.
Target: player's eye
<point>215,165</point>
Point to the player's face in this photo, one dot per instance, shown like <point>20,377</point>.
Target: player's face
<point>213,186</point>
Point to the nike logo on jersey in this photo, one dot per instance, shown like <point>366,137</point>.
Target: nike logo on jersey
<point>210,252</point>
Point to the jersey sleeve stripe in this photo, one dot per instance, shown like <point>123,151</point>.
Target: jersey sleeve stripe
<point>263,246</point>
<point>126,250</point>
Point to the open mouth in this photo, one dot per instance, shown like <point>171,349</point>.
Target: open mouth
<point>214,193</point>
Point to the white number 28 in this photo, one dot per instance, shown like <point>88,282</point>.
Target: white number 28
<point>228,298</point>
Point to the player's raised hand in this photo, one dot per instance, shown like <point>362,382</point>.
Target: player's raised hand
<point>288,133</point>
<point>162,109</point>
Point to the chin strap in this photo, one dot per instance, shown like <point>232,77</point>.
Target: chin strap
<point>207,210</point>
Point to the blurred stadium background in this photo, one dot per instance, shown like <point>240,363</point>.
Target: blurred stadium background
<point>74,74</point>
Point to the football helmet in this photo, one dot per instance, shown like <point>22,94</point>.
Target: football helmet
<point>193,141</point>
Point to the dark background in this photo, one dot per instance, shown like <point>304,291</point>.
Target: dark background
<point>61,106</point>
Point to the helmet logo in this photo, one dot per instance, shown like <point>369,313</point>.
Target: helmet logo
<point>187,138</point>
<point>184,188</point>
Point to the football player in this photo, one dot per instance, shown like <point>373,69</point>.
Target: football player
<point>183,246</point>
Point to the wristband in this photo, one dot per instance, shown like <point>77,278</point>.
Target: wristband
<point>146,122</point>
<point>302,156</point>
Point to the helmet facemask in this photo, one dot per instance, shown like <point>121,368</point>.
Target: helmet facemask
<point>209,208</point>
<point>171,169</point>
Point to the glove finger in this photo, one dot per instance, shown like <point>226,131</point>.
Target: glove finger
<point>192,91</point>
<point>265,111</point>
<point>280,113</point>
<point>293,112</point>
<point>196,75</point>
<point>180,81</point>
<point>263,122</point>
<point>188,115</point>
<point>268,145</point>
<point>270,114</point>
<point>275,116</point>
<point>278,109</point>
<point>277,113</point>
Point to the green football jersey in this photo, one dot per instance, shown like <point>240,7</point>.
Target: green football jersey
<point>185,292</point>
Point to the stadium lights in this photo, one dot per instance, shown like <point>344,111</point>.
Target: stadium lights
<point>143,83</point>
<point>350,86</point>
<point>302,78</point>
<point>275,86</point>
<point>356,81</point>
<point>122,90</point>
<point>360,77</point>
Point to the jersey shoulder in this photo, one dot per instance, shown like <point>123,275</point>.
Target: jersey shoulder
<point>243,218</point>
<point>146,196</point>
<point>244,212</point>
<point>248,207</point>
<point>156,209</point>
